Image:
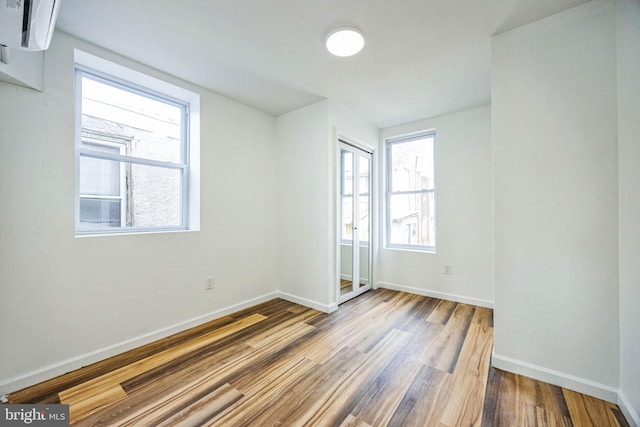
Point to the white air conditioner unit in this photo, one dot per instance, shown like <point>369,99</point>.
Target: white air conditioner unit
<point>27,24</point>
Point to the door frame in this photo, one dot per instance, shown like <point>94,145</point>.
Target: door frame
<point>358,145</point>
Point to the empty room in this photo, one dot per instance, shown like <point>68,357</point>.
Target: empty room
<point>322,213</point>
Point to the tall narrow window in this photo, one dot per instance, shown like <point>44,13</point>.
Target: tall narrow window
<point>133,168</point>
<point>411,207</point>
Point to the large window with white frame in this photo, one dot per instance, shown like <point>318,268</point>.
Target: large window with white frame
<point>136,169</point>
<point>410,190</point>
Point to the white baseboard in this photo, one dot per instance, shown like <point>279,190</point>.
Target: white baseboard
<point>561,379</point>
<point>52,371</point>
<point>435,294</point>
<point>326,308</point>
<point>625,406</point>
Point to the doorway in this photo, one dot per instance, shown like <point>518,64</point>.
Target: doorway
<point>355,193</point>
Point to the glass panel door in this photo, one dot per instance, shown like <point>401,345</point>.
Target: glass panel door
<point>347,223</point>
<point>364,220</point>
<point>354,258</point>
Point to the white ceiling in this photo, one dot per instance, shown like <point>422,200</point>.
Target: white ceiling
<point>422,58</point>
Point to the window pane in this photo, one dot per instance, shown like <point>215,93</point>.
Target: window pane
<point>99,177</point>
<point>347,172</point>
<point>364,165</point>
<point>134,195</point>
<point>103,148</point>
<point>346,191</point>
<point>100,213</point>
<point>412,165</point>
<point>152,127</point>
<point>363,227</point>
<point>155,197</point>
<point>412,219</point>
<point>347,218</point>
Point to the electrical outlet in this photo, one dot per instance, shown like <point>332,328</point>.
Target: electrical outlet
<point>447,269</point>
<point>209,283</point>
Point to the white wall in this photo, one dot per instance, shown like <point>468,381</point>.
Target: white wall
<point>66,301</point>
<point>629,164</point>
<point>307,193</point>
<point>464,232</point>
<point>304,189</point>
<point>555,186</point>
<point>346,121</point>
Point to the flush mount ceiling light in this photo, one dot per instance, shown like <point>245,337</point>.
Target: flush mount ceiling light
<point>345,41</point>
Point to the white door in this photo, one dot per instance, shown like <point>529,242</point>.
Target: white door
<point>355,188</point>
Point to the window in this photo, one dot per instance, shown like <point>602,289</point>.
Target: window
<point>411,210</point>
<point>136,151</point>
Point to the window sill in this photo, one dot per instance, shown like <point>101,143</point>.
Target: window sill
<point>131,233</point>
<point>431,251</point>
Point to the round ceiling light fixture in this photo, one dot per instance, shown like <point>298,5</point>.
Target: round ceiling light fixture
<point>345,41</point>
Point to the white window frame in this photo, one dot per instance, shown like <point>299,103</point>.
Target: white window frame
<point>389,173</point>
<point>137,82</point>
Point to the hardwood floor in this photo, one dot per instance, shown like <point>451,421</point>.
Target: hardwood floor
<point>384,358</point>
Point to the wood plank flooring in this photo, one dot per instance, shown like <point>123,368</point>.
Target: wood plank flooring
<point>385,358</point>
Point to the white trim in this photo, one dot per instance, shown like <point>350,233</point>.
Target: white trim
<point>561,379</point>
<point>84,152</point>
<point>410,135</point>
<point>326,308</point>
<point>17,383</point>
<point>344,137</point>
<point>436,294</point>
<point>627,409</point>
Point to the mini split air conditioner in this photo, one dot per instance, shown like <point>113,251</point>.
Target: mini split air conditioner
<point>27,24</point>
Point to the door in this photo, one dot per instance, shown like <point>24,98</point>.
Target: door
<point>354,258</point>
